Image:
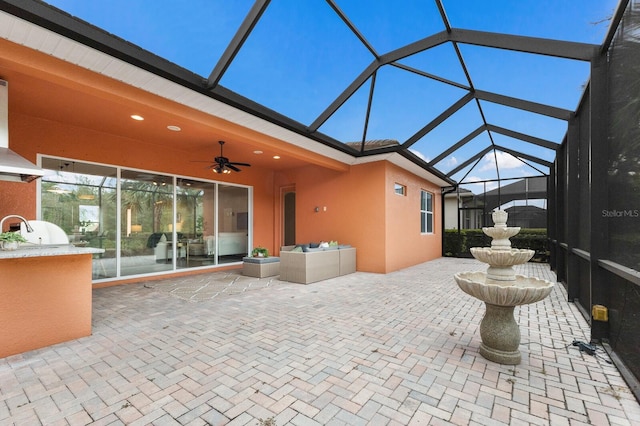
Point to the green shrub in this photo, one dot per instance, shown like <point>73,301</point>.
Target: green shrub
<point>453,242</point>
<point>457,244</point>
<point>533,239</point>
<point>476,238</point>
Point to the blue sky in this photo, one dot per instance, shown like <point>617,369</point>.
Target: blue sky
<point>301,56</point>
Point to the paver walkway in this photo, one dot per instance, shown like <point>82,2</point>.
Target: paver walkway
<point>394,349</point>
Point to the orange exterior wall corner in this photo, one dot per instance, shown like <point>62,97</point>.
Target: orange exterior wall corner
<point>406,245</point>
<point>343,207</point>
<point>360,208</point>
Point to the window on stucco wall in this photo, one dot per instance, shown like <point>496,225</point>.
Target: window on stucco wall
<point>426,212</point>
<point>400,189</point>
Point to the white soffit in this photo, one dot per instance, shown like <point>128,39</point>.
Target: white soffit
<point>32,36</point>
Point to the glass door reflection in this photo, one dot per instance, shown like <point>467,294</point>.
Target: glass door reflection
<point>147,241</point>
<point>195,218</point>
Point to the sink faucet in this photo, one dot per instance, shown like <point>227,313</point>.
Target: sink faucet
<point>26,223</point>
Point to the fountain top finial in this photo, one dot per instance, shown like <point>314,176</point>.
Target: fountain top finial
<point>500,232</point>
<point>500,218</point>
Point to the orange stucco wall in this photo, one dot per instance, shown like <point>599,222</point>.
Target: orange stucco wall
<point>350,210</point>
<point>359,207</point>
<point>17,198</point>
<point>39,308</point>
<point>406,245</point>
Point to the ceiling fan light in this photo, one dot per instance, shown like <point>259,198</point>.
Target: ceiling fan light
<point>221,164</point>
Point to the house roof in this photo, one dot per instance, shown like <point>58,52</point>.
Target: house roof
<point>374,144</point>
<point>461,192</point>
<point>529,188</point>
<point>376,71</point>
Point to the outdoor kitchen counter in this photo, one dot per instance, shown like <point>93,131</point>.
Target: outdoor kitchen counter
<point>47,250</point>
<point>45,296</point>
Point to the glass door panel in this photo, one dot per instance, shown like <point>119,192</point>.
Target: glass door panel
<point>233,223</point>
<point>81,199</point>
<point>195,218</point>
<point>147,239</point>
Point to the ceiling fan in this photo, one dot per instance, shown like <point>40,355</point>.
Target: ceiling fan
<point>222,164</point>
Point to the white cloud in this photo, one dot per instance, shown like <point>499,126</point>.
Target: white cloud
<point>419,154</point>
<point>480,187</point>
<point>505,161</point>
<point>451,162</point>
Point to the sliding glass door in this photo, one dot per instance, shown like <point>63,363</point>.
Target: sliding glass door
<point>146,222</point>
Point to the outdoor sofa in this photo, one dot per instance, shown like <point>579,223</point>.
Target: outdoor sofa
<point>316,264</point>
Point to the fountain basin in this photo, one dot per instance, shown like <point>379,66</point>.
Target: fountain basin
<point>501,233</point>
<point>502,257</point>
<point>522,291</point>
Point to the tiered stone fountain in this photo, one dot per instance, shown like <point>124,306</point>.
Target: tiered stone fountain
<point>501,290</point>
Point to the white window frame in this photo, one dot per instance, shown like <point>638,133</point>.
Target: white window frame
<point>426,214</point>
<point>400,189</point>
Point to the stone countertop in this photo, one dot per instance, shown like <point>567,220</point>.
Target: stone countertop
<point>258,259</point>
<point>47,250</point>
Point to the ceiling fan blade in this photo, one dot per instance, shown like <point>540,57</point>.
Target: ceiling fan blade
<point>221,163</point>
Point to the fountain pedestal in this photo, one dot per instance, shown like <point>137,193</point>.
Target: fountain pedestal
<point>501,290</point>
<point>500,335</point>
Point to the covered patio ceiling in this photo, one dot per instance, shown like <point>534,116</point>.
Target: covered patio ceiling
<point>455,89</point>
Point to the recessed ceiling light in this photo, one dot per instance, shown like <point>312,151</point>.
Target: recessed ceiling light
<point>257,152</point>
<point>276,157</point>
<point>174,128</point>
<point>137,117</point>
<point>57,190</point>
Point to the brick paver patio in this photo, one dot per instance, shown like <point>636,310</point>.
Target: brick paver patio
<point>392,349</point>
